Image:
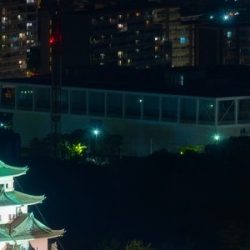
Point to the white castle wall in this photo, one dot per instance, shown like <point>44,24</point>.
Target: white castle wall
<point>8,213</point>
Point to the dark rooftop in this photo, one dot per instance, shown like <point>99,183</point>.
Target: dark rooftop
<point>214,81</point>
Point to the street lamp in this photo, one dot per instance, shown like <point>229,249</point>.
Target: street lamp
<point>216,137</point>
<point>96,132</point>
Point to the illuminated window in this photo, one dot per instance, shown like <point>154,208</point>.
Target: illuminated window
<point>28,25</point>
<point>22,64</point>
<point>102,55</point>
<point>137,13</point>
<point>122,26</point>
<point>30,1</point>
<point>229,34</point>
<point>4,19</point>
<point>120,54</point>
<point>183,40</point>
<point>21,35</point>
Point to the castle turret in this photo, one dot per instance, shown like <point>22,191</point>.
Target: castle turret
<point>19,229</point>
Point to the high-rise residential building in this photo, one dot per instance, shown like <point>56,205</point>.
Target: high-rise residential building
<point>140,36</point>
<point>19,36</point>
<point>223,38</point>
<point>181,37</point>
<point>129,37</point>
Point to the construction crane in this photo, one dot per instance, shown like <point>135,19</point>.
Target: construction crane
<point>55,42</point>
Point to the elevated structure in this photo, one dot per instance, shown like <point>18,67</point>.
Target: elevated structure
<point>19,229</point>
<point>150,114</point>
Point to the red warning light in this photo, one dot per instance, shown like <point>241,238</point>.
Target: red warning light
<point>55,39</point>
<point>52,40</point>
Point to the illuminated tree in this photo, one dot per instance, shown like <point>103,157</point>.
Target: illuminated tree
<point>74,150</point>
<point>68,146</point>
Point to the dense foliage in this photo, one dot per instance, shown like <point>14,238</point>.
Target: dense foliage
<point>171,201</point>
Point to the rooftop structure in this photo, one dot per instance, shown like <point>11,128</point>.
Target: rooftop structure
<point>19,229</point>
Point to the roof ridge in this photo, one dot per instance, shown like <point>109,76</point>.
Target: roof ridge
<point>3,164</point>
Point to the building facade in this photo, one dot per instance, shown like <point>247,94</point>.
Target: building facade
<point>135,36</point>
<point>225,37</point>
<point>19,35</point>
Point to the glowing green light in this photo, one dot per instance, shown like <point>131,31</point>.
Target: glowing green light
<point>77,149</point>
